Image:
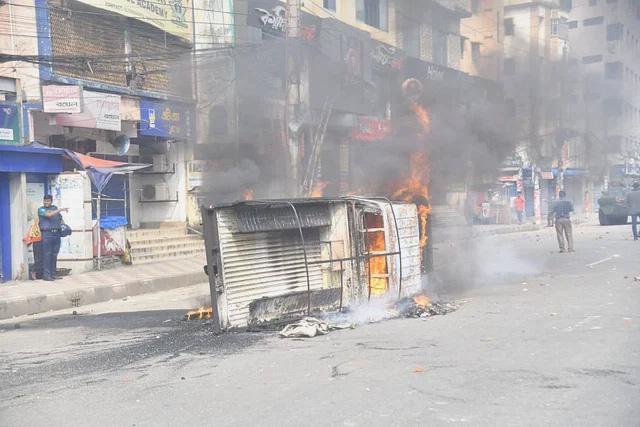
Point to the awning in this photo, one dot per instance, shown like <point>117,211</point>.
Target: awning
<point>100,171</point>
<point>21,158</point>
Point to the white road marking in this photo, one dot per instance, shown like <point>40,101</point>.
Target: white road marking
<point>599,262</point>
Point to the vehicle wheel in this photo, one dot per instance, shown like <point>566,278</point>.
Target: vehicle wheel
<point>604,220</point>
<point>621,220</point>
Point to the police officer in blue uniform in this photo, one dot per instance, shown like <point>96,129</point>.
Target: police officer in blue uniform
<point>50,224</point>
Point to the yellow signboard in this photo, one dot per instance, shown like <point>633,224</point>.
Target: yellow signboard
<point>172,16</point>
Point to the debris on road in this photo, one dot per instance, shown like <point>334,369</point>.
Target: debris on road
<point>636,278</point>
<point>418,370</point>
<point>308,327</point>
<point>423,307</point>
<point>201,313</point>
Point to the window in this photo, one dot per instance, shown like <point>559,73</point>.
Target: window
<point>613,70</point>
<point>475,6</point>
<point>572,25</point>
<point>475,53</point>
<point>412,41</point>
<point>509,67</point>
<point>329,4</point>
<point>591,59</point>
<point>372,12</point>
<point>565,5</point>
<point>509,28</point>
<point>559,27</point>
<point>614,32</point>
<point>440,48</point>
<point>463,42</point>
<point>593,2</point>
<point>593,21</point>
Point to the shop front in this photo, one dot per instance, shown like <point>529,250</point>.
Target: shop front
<point>159,195</point>
<point>24,176</point>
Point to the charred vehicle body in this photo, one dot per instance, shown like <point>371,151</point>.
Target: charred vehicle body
<point>270,259</point>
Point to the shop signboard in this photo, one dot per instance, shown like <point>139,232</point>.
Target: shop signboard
<point>173,17</point>
<point>9,123</point>
<point>61,99</point>
<point>371,129</point>
<point>196,171</point>
<point>386,57</point>
<point>100,111</point>
<point>165,120</point>
<point>270,17</point>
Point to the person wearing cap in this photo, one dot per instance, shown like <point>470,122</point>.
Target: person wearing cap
<point>562,209</point>
<point>50,224</point>
<point>633,202</point>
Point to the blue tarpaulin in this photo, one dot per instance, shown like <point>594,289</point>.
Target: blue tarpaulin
<point>111,222</point>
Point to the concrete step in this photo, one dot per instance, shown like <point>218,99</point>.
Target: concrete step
<point>158,233</point>
<point>169,245</point>
<point>159,241</point>
<point>170,254</point>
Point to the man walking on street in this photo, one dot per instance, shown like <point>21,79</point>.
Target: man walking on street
<point>519,205</point>
<point>50,223</point>
<point>562,209</point>
<point>633,202</point>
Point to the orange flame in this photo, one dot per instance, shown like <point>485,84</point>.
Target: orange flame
<point>318,191</point>
<point>416,189</point>
<point>422,300</point>
<point>376,266</point>
<point>248,195</point>
<point>200,313</point>
<point>423,116</point>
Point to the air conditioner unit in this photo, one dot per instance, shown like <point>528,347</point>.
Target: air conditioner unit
<point>155,192</point>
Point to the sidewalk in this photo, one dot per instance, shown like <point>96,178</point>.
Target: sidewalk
<point>37,296</point>
<point>466,232</point>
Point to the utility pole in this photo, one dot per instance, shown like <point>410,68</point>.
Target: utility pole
<point>292,91</point>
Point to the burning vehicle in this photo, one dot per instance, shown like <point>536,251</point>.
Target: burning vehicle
<point>269,259</point>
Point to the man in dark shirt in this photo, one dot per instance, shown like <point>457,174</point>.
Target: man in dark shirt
<point>562,209</point>
<point>633,202</point>
<point>50,223</point>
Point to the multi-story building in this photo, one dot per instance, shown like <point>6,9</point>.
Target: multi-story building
<point>482,38</point>
<point>605,45</point>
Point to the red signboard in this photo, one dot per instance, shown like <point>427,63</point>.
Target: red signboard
<point>371,129</point>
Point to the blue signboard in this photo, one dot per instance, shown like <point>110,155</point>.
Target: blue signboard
<point>165,120</point>
<point>9,123</point>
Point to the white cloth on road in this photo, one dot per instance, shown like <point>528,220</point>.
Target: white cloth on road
<point>308,327</point>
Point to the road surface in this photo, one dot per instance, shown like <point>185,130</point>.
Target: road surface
<point>541,338</point>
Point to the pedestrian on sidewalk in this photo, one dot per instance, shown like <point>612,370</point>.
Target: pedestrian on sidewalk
<point>562,209</point>
<point>519,204</point>
<point>633,202</point>
<point>51,222</point>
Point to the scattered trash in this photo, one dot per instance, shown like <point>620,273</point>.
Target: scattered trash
<point>125,298</point>
<point>75,313</point>
<point>167,321</point>
<point>408,307</point>
<point>525,290</point>
<point>636,278</point>
<point>554,314</point>
<point>419,369</point>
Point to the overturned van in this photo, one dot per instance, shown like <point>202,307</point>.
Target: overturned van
<point>267,259</point>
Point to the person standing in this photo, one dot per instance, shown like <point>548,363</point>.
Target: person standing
<point>50,223</point>
<point>519,205</point>
<point>633,202</point>
<point>562,209</point>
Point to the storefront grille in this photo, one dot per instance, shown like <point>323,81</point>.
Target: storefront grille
<point>79,35</point>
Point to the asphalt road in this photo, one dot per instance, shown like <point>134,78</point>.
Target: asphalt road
<point>541,338</point>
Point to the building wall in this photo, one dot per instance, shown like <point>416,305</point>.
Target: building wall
<point>346,12</point>
<point>20,38</point>
<point>606,90</point>
<point>485,28</point>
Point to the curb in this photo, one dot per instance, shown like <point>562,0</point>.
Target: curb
<point>35,304</point>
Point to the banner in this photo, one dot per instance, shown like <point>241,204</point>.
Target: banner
<point>101,111</point>
<point>172,16</point>
<point>164,120</point>
<point>61,99</point>
<point>9,123</point>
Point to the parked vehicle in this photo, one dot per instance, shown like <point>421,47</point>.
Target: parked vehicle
<point>613,209</point>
